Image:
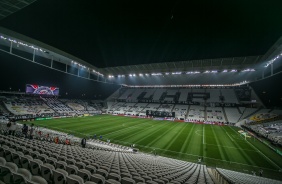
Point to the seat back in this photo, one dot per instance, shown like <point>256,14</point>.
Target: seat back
<point>114,176</point>
<point>25,161</point>
<point>35,166</point>
<point>2,160</point>
<point>51,160</point>
<point>91,168</point>
<point>84,174</point>
<point>74,179</point>
<point>21,176</point>
<point>61,165</point>
<point>47,172</point>
<point>7,172</point>
<point>102,172</point>
<point>71,169</point>
<point>97,178</point>
<point>37,180</point>
<point>59,176</point>
<point>80,165</point>
<point>127,180</point>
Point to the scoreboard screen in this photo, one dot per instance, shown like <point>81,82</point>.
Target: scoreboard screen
<point>41,90</point>
<point>160,113</point>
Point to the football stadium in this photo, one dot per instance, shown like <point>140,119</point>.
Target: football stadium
<point>121,92</point>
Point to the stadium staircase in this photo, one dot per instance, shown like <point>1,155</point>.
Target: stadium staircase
<point>206,116</point>
<point>253,113</point>
<point>186,117</point>
<point>114,96</point>
<point>254,96</point>
<point>239,111</point>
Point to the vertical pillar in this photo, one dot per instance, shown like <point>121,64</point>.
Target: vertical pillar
<point>11,47</point>
<point>66,68</point>
<point>33,57</point>
<point>271,69</point>
<point>52,61</point>
<point>78,71</point>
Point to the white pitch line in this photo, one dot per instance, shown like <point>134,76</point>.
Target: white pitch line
<point>259,151</point>
<point>229,136</point>
<point>203,134</point>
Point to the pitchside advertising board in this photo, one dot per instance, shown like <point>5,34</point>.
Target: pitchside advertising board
<point>160,113</point>
<point>41,90</point>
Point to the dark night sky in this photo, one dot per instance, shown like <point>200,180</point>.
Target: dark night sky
<point>114,33</point>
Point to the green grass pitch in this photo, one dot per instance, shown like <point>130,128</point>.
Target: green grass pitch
<point>219,146</point>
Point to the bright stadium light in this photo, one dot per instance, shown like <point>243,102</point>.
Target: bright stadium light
<point>273,60</point>
<point>130,75</point>
<point>167,73</point>
<point>156,74</point>
<point>140,74</point>
<point>224,71</point>
<point>233,70</point>
<point>207,71</point>
<point>248,70</point>
<point>214,71</point>
<point>176,73</point>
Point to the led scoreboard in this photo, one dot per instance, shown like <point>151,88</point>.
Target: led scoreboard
<point>41,90</point>
<point>160,113</point>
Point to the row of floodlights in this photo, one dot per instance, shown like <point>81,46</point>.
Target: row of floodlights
<point>178,73</point>
<point>82,66</point>
<point>39,49</point>
<point>189,85</point>
<point>21,43</point>
<point>273,60</point>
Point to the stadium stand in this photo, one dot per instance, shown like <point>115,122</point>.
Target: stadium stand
<point>248,112</point>
<point>229,96</point>
<point>215,114</point>
<point>232,114</point>
<point>43,161</point>
<point>196,113</point>
<point>270,130</point>
<point>183,95</point>
<point>24,106</point>
<point>137,109</point>
<point>198,91</point>
<point>136,94</point>
<point>236,177</point>
<point>214,95</point>
<point>158,94</point>
<point>181,111</point>
<point>127,94</point>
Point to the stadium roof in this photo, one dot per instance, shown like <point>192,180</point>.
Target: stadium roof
<point>238,63</point>
<point>8,7</point>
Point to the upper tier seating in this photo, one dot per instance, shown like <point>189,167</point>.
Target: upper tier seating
<point>215,114</point>
<point>232,114</point>
<point>229,96</point>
